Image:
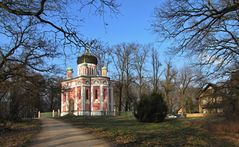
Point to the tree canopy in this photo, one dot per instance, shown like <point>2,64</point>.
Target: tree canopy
<point>206,29</point>
<point>32,32</point>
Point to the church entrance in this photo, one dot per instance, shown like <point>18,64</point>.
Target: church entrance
<point>71,106</point>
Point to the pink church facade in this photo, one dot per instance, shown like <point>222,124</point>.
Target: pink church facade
<point>88,93</point>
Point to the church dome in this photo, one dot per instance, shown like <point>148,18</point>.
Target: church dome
<point>87,58</point>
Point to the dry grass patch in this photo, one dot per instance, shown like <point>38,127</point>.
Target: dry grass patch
<point>225,128</point>
<point>18,133</point>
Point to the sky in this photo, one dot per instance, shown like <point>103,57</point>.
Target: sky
<point>132,24</point>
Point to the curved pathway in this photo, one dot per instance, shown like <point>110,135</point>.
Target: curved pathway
<point>57,133</point>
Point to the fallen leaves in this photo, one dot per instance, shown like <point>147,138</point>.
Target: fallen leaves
<point>19,133</point>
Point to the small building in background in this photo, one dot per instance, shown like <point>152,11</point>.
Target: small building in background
<point>210,101</point>
<point>87,93</point>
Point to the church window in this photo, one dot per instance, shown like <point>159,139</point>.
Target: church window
<point>86,93</point>
<point>96,94</point>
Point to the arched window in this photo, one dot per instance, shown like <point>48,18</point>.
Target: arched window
<point>96,94</point>
<point>86,93</point>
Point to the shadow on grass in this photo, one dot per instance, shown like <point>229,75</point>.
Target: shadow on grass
<point>126,131</point>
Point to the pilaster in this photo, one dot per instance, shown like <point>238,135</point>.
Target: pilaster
<point>108,98</point>
<point>111,97</point>
<point>91,98</point>
<point>62,100</point>
<point>83,98</point>
<point>67,102</point>
<point>76,99</point>
<point>101,97</point>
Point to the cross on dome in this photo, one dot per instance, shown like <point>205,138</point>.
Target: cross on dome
<point>87,48</point>
<point>87,57</point>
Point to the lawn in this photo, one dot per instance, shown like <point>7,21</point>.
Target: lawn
<point>18,133</point>
<point>126,131</point>
<point>46,114</point>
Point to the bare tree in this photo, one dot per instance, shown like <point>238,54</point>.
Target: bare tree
<point>24,94</point>
<point>169,84</point>
<point>140,56</point>
<point>52,93</point>
<point>229,91</point>
<point>204,28</point>
<point>156,70</point>
<point>128,74</point>
<point>102,51</point>
<point>184,82</point>
<point>31,31</point>
<point>119,63</point>
<point>122,56</point>
<point>42,13</point>
<point>24,48</point>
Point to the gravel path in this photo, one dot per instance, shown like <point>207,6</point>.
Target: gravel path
<point>57,133</point>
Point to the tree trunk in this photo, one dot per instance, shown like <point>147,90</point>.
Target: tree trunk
<point>120,99</point>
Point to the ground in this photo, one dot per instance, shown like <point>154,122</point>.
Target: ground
<point>55,132</point>
<point>121,131</point>
<point>18,133</point>
<point>126,131</point>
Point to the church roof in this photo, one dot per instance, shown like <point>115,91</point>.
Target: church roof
<point>87,57</point>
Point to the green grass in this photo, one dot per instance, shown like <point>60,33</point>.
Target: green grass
<point>46,114</point>
<point>18,133</point>
<point>126,131</point>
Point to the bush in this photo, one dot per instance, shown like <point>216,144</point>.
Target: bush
<point>151,109</point>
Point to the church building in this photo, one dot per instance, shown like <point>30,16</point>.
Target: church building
<point>88,93</point>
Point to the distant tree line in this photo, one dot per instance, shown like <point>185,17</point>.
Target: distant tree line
<point>139,71</point>
<point>23,96</point>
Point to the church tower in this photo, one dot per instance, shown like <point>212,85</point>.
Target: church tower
<point>86,64</point>
<point>87,93</point>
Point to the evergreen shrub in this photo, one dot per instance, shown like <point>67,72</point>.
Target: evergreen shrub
<point>151,109</point>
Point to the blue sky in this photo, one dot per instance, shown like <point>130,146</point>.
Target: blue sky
<point>132,24</point>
